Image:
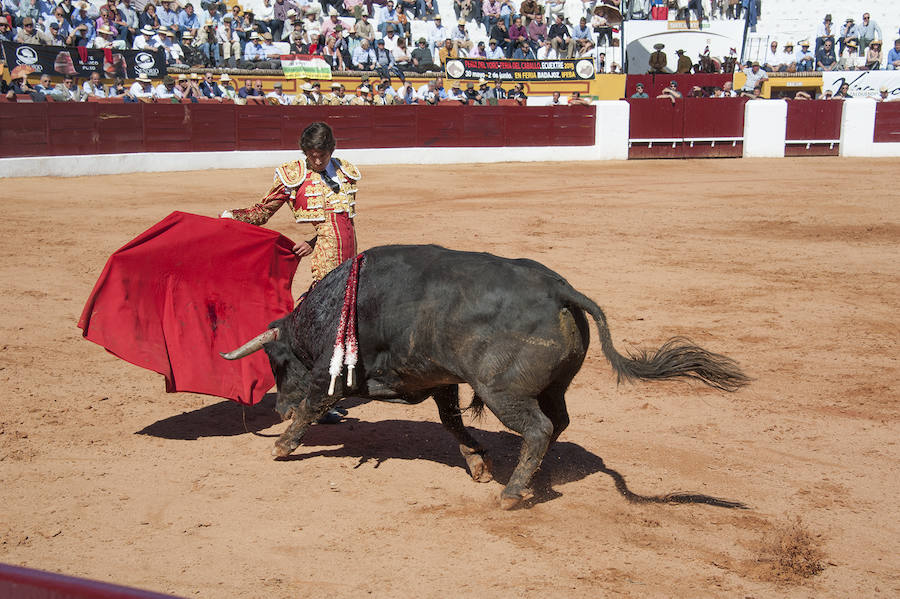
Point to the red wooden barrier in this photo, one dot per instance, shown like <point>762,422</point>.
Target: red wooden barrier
<point>887,122</point>
<point>98,128</point>
<point>687,128</point>
<point>24,583</point>
<point>813,127</point>
<point>654,84</point>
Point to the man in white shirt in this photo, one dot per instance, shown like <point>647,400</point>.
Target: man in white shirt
<point>494,52</point>
<point>437,34</point>
<point>93,87</point>
<point>142,88</point>
<point>546,51</point>
<point>427,94</point>
<point>167,90</point>
<point>142,41</point>
<point>277,96</point>
<point>390,39</point>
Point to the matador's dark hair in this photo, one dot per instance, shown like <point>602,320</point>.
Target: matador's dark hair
<point>317,136</point>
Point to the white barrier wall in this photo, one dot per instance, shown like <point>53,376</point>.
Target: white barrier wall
<point>765,127</point>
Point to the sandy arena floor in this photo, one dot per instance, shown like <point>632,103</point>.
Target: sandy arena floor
<point>789,266</point>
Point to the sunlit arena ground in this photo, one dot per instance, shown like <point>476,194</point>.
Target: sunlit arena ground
<point>789,266</point>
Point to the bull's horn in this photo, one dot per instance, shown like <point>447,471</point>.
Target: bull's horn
<point>251,346</point>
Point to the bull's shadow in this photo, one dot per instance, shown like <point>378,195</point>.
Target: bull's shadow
<point>377,442</point>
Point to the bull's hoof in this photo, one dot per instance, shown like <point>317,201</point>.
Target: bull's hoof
<point>480,468</point>
<point>283,448</point>
<point>512,501</point>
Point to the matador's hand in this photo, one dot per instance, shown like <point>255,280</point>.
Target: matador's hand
<point>302,249</point>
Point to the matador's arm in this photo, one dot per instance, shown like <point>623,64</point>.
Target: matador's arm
<point>261,212</point>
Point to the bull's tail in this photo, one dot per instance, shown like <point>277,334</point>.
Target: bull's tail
<point>677,357</point>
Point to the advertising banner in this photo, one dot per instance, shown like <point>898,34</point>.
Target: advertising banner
<point>303,66</point>
<point>81,62</point>
<point>574,69</point>
<point>863,84</point>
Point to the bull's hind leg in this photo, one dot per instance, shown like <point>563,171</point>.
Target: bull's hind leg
<point>524,416</point>
<point>447,400</point>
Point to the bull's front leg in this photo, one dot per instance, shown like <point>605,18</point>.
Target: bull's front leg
<point>304,414</point>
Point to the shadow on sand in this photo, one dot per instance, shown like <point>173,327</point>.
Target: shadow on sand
<point>378,442</point>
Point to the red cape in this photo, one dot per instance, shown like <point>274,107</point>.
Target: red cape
<point>186,289</point>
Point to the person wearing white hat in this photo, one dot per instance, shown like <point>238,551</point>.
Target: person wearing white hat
<point>389,16</point>
<point>174,53</point>
<point>254,53</point>
<point>806,61</point>
<point>226,87</point>
<point>142,40</point>
<point>362,96</point>
<point>142,89</point>
<point>460,37</point>
<point>304,96</point>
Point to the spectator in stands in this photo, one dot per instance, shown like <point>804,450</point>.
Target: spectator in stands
<point>639,92</point>
<point>583,38</point>
<point>388,17</point>
<point>843,92</point>
<point>529,10</point>
<point>56,38</point>
<point>272,52</point>
<point>148,16</point>
<point>495,93</point>
<point>277,95</point>
<point>254,53</point>
<point>479,51</point>
<point>127,21</point>
<point>500,33</point>
<point>168,18</point>
<point>437,33</point>
<point>728,90</point>
<point>806,60</point>
<point>59,17</point>
<point>117,89</point>
<point>787,61</point>
<point>546,51</point>
<point>493,51</point>
<point>537,32</point>
<point>873,56</point>
<point>364,57</point>
<point>44,86</point>
<point>637,10</point>
<point>207,44</point>
<point>850,59</point>
<point>448,50</point>
<point>167,89</point>
<point>174,53</point>
<point>560,38</point>
<point>848,32</point>
<point>263,16</point>
<point>826,30</point>
<point>524,52</point>
<point>825,58</point>
<point>556,99</point>
<point>474,96</point>
<point>770,60</point>
<point>362,96</point>
<point>390,38</point>
<point>190,87</point>
<point>364,29</point>
<point>670,92</point>
<point>658,60</point>
<point>30,34</point>
<point>684,64</point>
<point>461,42</point>
<point>141,90</point>
<point>209,89</point>
<point>883,94</point>
<point>464,9</point>
<point>106,20</point>
<point>893,57</point>
<point>755,77</point>
<point>868,31</point>
<point>188,21</point>
<point>104,39</point>
<point>402,58</point>
<point>456,94</point>
<point>576,100</point>
<point>518,94</point>
<point>68,91</point>
<point>93,87</point>
<point>517,34</point>
<point>490,13</point>
<point>142,40</point>
<point>427,94</point>
<point>421,57</point>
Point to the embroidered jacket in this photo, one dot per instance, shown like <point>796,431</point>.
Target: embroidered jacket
<point>310,197</point>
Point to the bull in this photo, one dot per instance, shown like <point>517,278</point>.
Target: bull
<point>430,318</point>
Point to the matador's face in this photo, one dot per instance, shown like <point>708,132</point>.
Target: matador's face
<point>317,160</point>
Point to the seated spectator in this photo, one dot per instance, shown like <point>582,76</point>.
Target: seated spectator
<point>337,96</point>
<point>517,34</point>
<point>755,94</point>
<point>456,94</point>
<point>530,10</point>
<point>849,33</point>
<point>883,94</point>
<point>556,99</point>
<point>464,9</point>
<point>560,38</point>
<point>69,91</point>
<point>893,57</point>
<point>190,87</point>
<point>362,96</point>
<point>494,52</point>
<point>518,94</point>
<point>277,95</point>
<point>825,30</point>
<point>448,50</point>
<point>500,34</point>
<point>639,92</point>
<point>226,87</point>
<point>44,86</point>
<point>603,30</point>
<point>438,33</point>
<point>850,59</point>
<point>304,97</point>
<point>787,62</point>
<point>584,42</point>
<point>167,89</point>
<point>461,42</point>
<point>524,52</point>
<point>755,77</point>
<point>825,58</point>
<point>490,13</point>
<point>546,51</point>
<point>364,57</point>
<point>142,40</point>
<point>806,60</point>
<point>30,34</point>
<point>19,85</point>
<point>537,32</point>
<point>495,93</point>
<point>104,39</point>
<point>188,21</point>
<point>406,94</point>
<point>473,96</point>
<point>93,87</point>
<point>389,16</point>
<point>148,17</point>
<point>670,92</point>
<point>728,90</point>
<point>426,8</point>
<point>402,58</point>
<point>873,56</point>
<point>576,100</point>
<point>174,53</point>
<point>770,62</point>
<point>117,89</point>
<point>254,53</point>
<point>209,89</point>
<point>141,90</point>
<point>421,57</point>
<point>426,94</point>
<point>697,92</point>
<point>843,92</point>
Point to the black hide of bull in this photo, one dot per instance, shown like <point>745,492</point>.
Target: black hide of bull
<point>430,318</point>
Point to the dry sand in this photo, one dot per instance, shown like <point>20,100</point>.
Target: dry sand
<point>789,266</point>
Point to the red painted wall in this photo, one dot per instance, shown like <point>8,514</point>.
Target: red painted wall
<point>689,121</point>
<point>53,129</point>
<point>887,122</point>
<point>812,120</point>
